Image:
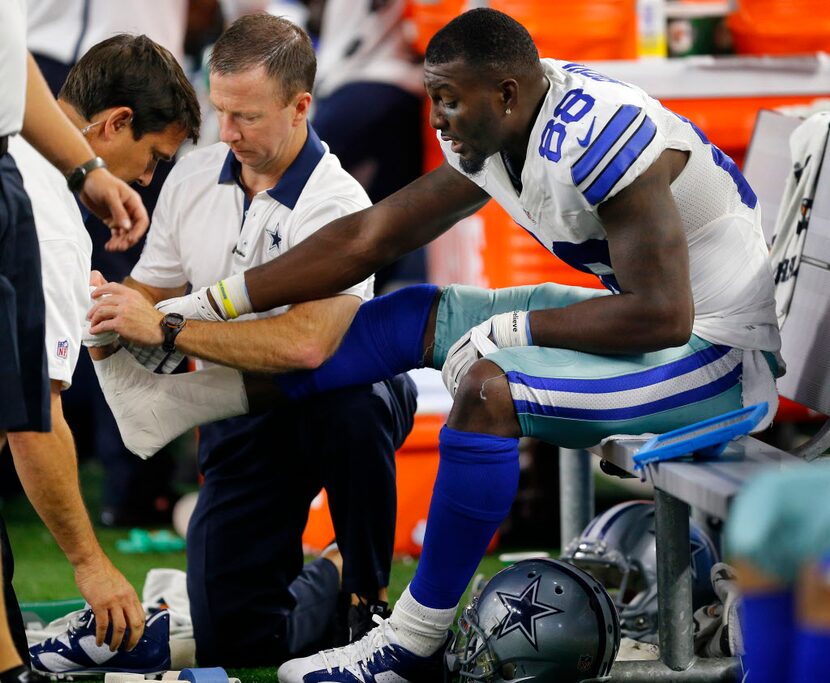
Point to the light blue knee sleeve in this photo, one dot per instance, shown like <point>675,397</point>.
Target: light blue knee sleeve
<point>782,520</point>
<point>463,307</point>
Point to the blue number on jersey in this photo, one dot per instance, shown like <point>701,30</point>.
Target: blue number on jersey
<point>553,135</point>
<point>591,256</point>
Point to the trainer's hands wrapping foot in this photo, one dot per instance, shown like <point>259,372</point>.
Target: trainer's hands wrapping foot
<point>151,409</point>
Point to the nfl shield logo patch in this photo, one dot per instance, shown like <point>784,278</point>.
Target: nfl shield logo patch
<point>63,349</point>
<point>584,663</point>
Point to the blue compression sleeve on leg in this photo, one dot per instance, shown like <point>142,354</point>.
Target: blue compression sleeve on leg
<point>477,480</point>
<point>809,656</point>
<point>767,625</point>
<point>385,339</point>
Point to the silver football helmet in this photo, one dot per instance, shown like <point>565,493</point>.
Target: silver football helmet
<point>618,548</point>
<point>538,620</point>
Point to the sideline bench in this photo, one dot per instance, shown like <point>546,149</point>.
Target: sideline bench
<point>709,487</point>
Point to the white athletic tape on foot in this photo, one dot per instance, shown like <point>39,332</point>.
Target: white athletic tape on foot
<point>151,410</point>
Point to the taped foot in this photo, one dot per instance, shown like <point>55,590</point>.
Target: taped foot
<point>153,409</point>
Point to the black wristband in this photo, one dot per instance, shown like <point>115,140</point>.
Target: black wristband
<point>76,178</point>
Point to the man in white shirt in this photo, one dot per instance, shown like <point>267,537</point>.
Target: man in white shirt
<point>264,189</point>
<point>134,105</point>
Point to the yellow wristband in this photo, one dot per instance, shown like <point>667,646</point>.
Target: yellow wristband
<point>227,304</point>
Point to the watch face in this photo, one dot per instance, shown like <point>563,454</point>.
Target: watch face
<point>173,319</point>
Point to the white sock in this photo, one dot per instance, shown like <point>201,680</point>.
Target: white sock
<point>421,630</point>
<point>151,410</point>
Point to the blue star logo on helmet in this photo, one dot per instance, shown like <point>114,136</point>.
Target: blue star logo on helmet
<point>523,611</point>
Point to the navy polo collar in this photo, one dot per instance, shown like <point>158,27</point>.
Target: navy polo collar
<point>288,188</point>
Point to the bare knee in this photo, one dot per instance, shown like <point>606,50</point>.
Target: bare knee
<point>483,403</point>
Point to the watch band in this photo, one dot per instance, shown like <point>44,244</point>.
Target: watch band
<point>76,178</point>
<point>171,325</point>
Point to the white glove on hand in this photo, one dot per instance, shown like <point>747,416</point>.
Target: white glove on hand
<point>500,331</point>
<point>195,306</point>
<point>475,344</point>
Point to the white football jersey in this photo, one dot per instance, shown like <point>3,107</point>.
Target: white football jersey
<point>593,137</point>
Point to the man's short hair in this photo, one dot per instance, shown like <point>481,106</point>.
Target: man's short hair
<point>133,71</point>
<point>283,48</point>
<point>486,38</point>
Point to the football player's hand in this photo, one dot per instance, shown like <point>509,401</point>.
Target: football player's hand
<point>195,306</point>
<point>118,206</point>
<point>113,600</point>
<point>475,344</point>
<point>125,310</point>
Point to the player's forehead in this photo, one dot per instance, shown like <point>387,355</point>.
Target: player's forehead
<point>457,75</point>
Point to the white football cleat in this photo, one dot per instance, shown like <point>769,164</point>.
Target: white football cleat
<point>376,657</point>
<point>153,409</point>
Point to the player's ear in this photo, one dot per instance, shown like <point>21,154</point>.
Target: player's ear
<point>509,91</point>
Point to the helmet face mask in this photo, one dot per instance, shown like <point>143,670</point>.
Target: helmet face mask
<point>618,548</point>
<point>538,620</point>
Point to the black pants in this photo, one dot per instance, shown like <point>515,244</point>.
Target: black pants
<point>244,543</point>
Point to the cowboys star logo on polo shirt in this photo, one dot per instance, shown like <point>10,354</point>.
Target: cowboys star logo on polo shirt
<point>275,237</point>
<point>523,611</point>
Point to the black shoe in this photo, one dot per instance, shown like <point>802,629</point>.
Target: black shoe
<point>359,617</point>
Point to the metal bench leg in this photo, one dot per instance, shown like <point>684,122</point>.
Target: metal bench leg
<point>576,493</point>
<point>674,581</point>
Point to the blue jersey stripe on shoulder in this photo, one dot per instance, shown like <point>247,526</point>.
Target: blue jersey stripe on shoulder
<point>622,161</point>
<point>613,130</point>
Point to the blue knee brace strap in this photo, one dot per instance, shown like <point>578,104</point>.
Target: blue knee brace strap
<point>385,339</point>
<point>476,483</point>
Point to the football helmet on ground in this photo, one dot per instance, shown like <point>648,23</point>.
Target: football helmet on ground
<point>619,549</point>
<point>538,620</point>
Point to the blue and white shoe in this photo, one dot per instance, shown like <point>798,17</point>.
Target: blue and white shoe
<point>75,653</point>
<point>378,656</point>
